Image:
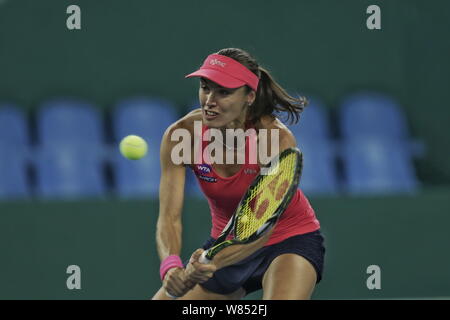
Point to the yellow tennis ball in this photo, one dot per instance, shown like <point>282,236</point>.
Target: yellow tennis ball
<point>133,147</point>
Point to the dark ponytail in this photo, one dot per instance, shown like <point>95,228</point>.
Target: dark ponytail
<point>271,98</point>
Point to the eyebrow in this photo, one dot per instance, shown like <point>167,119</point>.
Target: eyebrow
<point>203,81</point>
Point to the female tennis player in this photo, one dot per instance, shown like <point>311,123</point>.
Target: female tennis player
<point>236,93</point>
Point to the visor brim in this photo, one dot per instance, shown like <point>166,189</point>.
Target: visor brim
<point>218,77</point>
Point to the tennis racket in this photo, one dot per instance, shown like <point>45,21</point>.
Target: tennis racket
<point>262,205</point>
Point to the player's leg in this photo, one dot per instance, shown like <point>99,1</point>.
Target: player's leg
<point>200,293</point>
<point>161,295</point>
<point>289,277</point>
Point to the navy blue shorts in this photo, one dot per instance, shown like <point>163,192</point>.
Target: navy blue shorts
<point>249,273</point>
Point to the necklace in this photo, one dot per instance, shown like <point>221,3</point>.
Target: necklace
<point>226,134</point>
<point>233,147</point>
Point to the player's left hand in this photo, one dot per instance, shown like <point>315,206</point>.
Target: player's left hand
<point>199,272</point>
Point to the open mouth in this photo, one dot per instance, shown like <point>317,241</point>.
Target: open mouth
<point>210,114</point>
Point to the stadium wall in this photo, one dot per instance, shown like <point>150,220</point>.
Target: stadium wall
<point>113,243</point>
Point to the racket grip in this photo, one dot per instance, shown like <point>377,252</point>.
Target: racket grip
<point>203,259</point>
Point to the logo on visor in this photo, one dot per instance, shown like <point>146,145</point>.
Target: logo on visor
<point>217,62</point>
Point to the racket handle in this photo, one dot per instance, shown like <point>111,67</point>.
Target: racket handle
<point>203,259</point>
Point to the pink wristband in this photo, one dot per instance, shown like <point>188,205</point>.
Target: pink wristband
<point>172,261</point>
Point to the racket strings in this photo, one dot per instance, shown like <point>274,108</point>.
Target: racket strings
<point>266,197</point>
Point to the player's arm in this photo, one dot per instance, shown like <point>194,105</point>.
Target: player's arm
<point>171,193</point>
<point>169,226</point>
<point>236,253</point>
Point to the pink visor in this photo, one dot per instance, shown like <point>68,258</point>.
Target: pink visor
<point>226,72</point>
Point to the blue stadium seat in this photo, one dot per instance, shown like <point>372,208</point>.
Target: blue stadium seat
<point>319,176</point>
<point>313,135</point>
<point>69,121</point>
<point>313,122</point>
<point>137,178</point>
<point>13,125</point>
<point>369,115</point>
<point>146,117</point>
<point>374,166</point>
<point>140,179</point>
<point>14,182</point>
<point>70,172</point>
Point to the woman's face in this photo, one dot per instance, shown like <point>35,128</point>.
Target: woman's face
<point>223,107</point>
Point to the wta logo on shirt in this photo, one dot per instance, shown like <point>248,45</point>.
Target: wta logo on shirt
<point>204,168</point>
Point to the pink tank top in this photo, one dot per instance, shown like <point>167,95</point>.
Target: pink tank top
<point>224,194</point>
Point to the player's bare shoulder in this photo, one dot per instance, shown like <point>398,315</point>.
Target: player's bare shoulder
<point>186,122</point>
<point>180,135</point>
<point>274,125</point>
